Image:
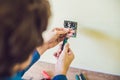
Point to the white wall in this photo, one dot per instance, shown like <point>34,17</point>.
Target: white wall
<point>97,46</point>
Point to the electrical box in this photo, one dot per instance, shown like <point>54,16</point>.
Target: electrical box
<point>72,25</point>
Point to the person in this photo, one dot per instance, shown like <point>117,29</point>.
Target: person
<point>22,23</point>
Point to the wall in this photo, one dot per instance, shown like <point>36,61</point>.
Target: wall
<point>97,46</point>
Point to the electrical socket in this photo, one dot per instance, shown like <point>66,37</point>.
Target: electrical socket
<point>72,25</point>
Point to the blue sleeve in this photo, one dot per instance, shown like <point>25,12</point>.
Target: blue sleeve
<point>59,77</point>
<point>35,57</point>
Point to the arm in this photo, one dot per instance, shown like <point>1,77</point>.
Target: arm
<point>50,42</point>
<point>64,59</point>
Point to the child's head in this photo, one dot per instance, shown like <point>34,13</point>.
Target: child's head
<point>21,25</point>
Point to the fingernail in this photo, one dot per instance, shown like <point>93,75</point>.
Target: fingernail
<point>67,44</point>
<point>73,31</point>
<point>69,35</point>
<point>67,29</point>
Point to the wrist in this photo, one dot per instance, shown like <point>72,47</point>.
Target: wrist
<point>64,71</point>
<point>60,70</point>
<point>42,49</point>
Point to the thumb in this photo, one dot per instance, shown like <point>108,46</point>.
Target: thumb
<point>66,48</point>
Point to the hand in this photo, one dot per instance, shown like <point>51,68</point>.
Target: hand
<point>54,37</point>
<point>64,59</point>
<point>57,35</point>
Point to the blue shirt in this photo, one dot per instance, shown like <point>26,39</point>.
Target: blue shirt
<point>18,75</point>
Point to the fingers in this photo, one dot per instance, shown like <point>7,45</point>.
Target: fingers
<point>63,31</point>
<point>56,55</point>
<point>60,38</point>
<point>58,52</point>
<point>68,52</point>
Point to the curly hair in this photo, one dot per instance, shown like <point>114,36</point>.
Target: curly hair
<point>21,25</point>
